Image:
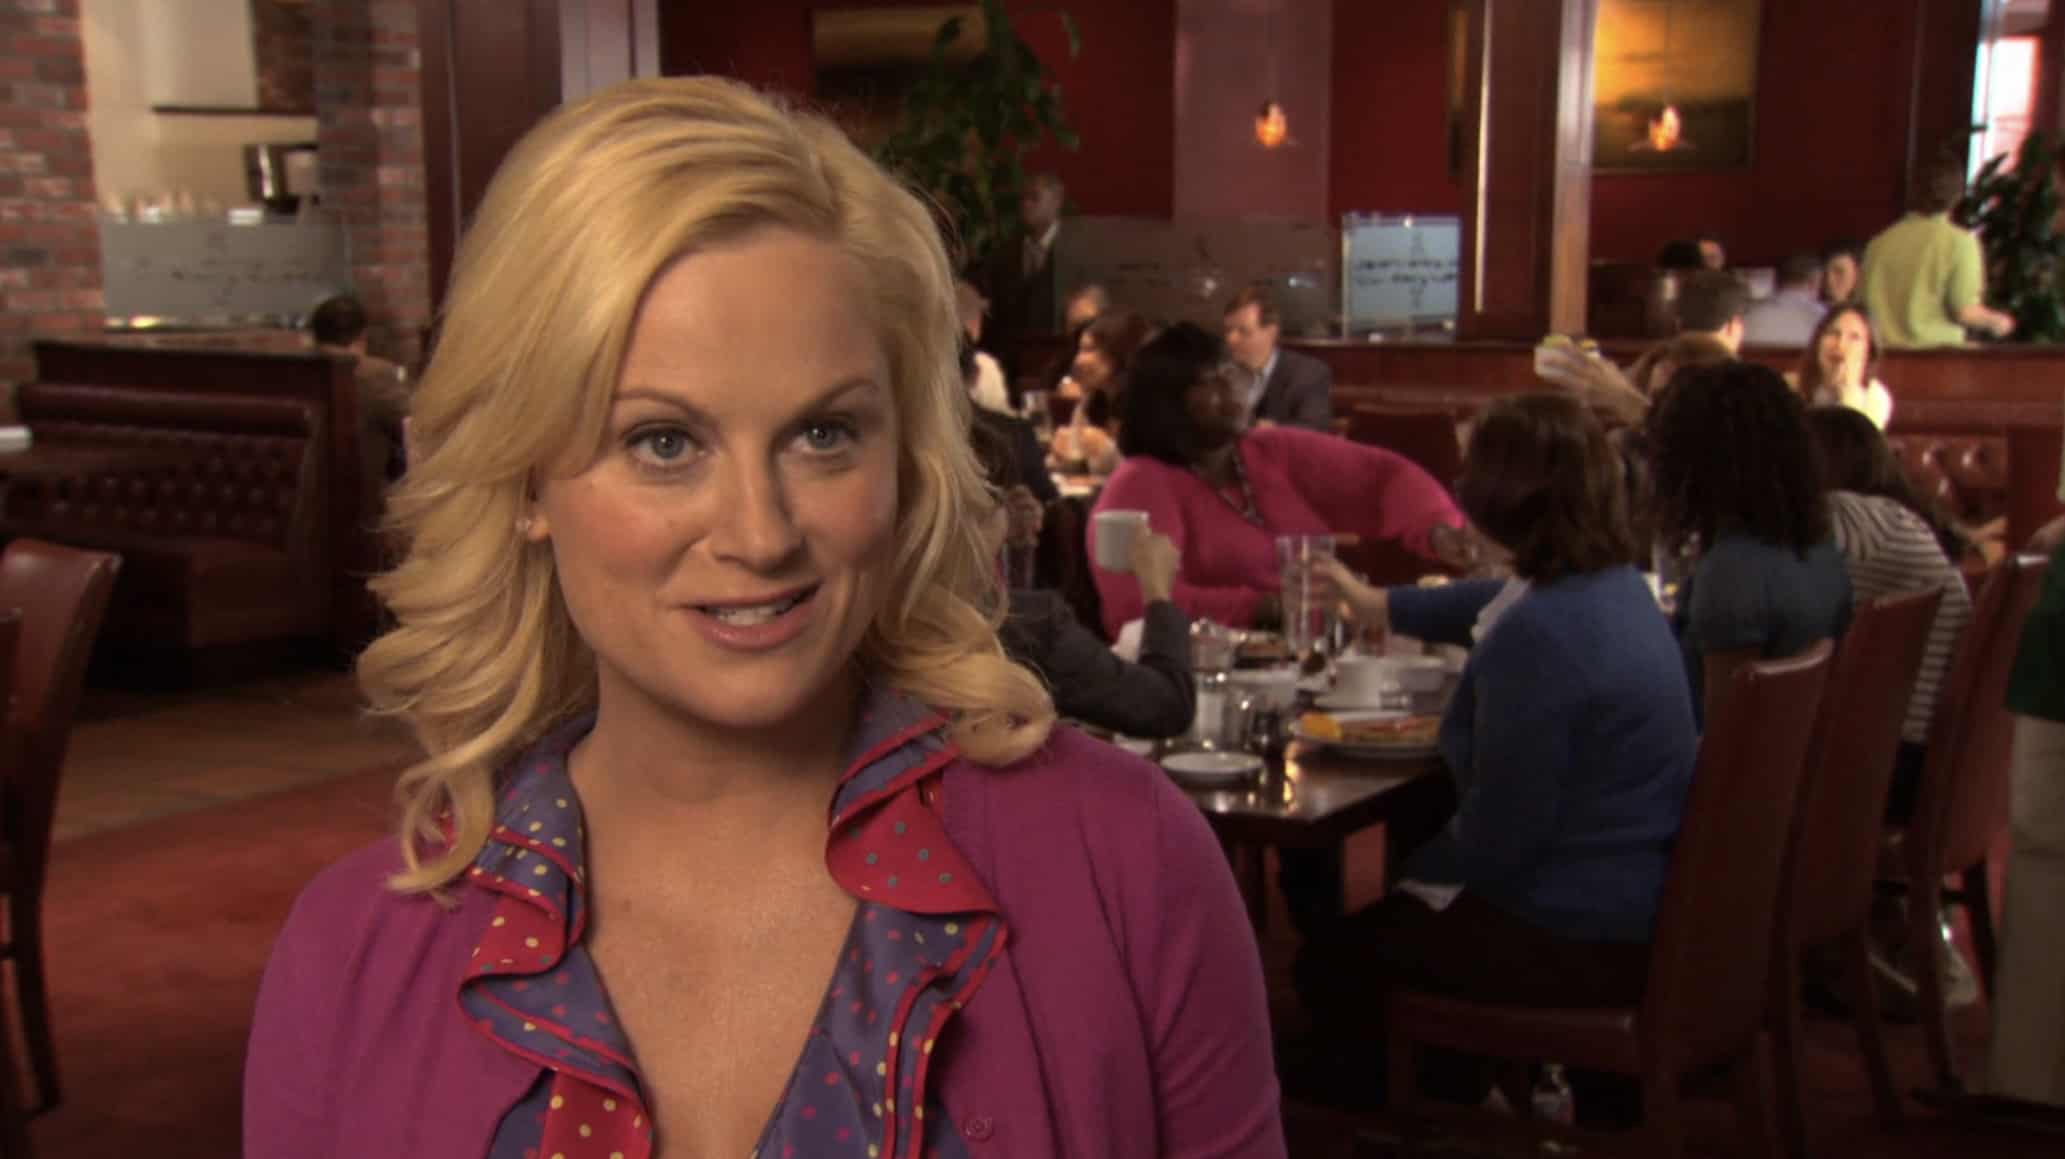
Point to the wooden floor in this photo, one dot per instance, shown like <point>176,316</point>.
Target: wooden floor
<point>137,757</point>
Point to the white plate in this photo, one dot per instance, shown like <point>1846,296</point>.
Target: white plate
<point>1404,751</point>
<point>1338,702</point>
<point>1205,765</point>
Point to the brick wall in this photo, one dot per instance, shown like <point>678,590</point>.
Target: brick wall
<point>368,81</point>
<point>49,241</point>
<point>283,41</point>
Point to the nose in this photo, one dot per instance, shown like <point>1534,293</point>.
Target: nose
<point>758,530</point>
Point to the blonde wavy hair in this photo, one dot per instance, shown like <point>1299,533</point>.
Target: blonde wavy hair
<point>591,206</point>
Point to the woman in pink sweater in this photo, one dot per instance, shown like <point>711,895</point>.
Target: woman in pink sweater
<point>1224,494</point>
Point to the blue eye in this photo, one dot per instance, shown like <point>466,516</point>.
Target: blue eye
<point>826,436</point>
<point>662,446</point>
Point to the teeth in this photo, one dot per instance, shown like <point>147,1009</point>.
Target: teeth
<point>752,616</point>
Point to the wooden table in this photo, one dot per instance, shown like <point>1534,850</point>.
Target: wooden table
<point>1317,800</point>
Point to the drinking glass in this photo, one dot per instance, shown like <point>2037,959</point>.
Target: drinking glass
<point>1308,612</point>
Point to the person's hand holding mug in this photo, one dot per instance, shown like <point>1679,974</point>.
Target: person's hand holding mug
<point>1153,561</point>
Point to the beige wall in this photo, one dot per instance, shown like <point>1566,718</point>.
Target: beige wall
<point>138,54</point>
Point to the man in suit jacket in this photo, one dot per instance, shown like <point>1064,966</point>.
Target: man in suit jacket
<point>1019,274</point>
<point>1288,389</point>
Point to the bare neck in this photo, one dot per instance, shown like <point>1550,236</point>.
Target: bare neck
<point>647,765</point>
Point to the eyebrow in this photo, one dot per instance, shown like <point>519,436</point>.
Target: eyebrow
<point>852,384</point>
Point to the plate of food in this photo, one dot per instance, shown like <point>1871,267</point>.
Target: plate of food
<point>1372,733</point>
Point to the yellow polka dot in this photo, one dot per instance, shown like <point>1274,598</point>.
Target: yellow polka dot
<point>561,802</point>
<point>919,1113</point>
<point>927,1048</point>
<point>890,1103</point>
<point>637,1120</point>
<point>532,944</point>
<point>609,1104</point>
<point>881,1068</point>
<point>919,938</point>
<point>878,1110</point>
<point>953,927</point>
<point>893,1036</point>
<point>620,1154</point>
<point>521,854</point>
<point>537,825</point>
<point>540,870</point>
<point>557,1102</point>
<point>559,842</point>
<point>873,1151</point>
<point>499,921</point>
<point>586,1130</point>
<point>535,893</point>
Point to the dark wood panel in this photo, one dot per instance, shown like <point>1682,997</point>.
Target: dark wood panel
<point>494,68</point>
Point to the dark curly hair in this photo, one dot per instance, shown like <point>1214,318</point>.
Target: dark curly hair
<point>1542,480</point>
<point>1730,454</point>
<point>1154,416</point>
<point>1855,457</point>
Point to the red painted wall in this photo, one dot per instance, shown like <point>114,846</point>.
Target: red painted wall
<point>1390,109</point>
<point>1119,92</point>
<point>1230,59</point>
<point>1830,146</point>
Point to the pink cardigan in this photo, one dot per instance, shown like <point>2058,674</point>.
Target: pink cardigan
<point>1305,483</point>
<point>1126,1018</point>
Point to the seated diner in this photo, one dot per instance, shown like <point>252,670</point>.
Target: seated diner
<point>1223,493</point>
<point>1570,740</point>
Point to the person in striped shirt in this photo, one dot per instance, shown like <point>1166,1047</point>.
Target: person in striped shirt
<point>1892,542</point>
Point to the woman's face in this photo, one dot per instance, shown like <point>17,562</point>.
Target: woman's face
<point>725,553</point>
<point>1846,342</point>
<point>1092,368</point>
<point>1839,278</point>
<point>1216,408</point>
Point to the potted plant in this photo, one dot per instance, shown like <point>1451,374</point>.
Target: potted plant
<point>2015,208</point>
<point>967,125</point>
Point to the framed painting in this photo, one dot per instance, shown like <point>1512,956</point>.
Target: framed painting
<point>1674,84</point>
<point>863,60</point>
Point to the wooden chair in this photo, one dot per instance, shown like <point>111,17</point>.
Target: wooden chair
<point>62,594</point>
<point>1708,965</point>
<point>1961,803</point>
<point>1825,895</point>
<point>14,1119</point>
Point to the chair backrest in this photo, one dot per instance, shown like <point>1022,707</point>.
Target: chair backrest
<point>1708,963</point>
<point>1961,804</point>
<point>62,593</point>
<point>1425,435</point>
<point>1834,847</point>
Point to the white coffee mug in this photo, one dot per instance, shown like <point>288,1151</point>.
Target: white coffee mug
<point>1111,537</point>
<point>1361,679</point>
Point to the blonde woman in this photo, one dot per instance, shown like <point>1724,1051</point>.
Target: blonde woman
<point>736,834</point>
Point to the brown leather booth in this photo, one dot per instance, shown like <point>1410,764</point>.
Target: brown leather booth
<point>224,546</point>
<point>260,534</point>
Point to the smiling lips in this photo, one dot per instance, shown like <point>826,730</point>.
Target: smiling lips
<point>758,624</point>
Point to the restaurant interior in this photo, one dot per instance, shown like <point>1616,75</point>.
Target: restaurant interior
<point>229,237</point>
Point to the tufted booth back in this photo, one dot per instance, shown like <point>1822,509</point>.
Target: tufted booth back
<point>1966,474</point>
<point>255,472</point>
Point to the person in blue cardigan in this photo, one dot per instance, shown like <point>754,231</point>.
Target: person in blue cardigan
<point>1571,741</point>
